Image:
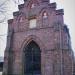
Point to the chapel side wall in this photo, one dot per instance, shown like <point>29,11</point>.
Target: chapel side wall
<point>8,48</point>
<point>68,62</point>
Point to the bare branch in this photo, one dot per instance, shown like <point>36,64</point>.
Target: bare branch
<point>1,39</point>
<point>4,9</point>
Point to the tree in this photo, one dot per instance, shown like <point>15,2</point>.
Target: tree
<point>5,14</point>
<point>4,8</point>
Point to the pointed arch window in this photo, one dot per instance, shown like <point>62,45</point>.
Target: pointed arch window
<point>45,20</point>
<point>33,5</point>
<point>45,15</point>
<point>21,19</point>
<point>32,63</point>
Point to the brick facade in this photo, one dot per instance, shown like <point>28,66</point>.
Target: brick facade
<point>50,33</point>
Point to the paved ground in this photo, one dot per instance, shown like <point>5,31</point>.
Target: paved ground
<point>0,73</point>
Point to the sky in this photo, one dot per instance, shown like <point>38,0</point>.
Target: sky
<point>69,17</point>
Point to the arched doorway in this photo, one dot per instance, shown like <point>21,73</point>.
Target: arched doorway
<point>32,57</point>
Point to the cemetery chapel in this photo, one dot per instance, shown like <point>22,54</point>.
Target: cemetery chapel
<point>38,41</point>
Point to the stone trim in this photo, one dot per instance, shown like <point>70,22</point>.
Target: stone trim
<point>34,38</point>
<point>60,12</point>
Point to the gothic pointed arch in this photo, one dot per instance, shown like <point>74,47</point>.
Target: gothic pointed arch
<point>45,10</point>
<point>34,38</point>
<point>45,15</point>
<point>21,17</point>
<point>32,59</point>
<point>22,21</point>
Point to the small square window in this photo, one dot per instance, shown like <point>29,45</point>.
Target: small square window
<point>32,23</point>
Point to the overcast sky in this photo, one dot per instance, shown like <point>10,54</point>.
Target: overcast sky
<point>69,17</point>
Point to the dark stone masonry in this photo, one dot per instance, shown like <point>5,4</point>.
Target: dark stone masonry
<point>38,41</point>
